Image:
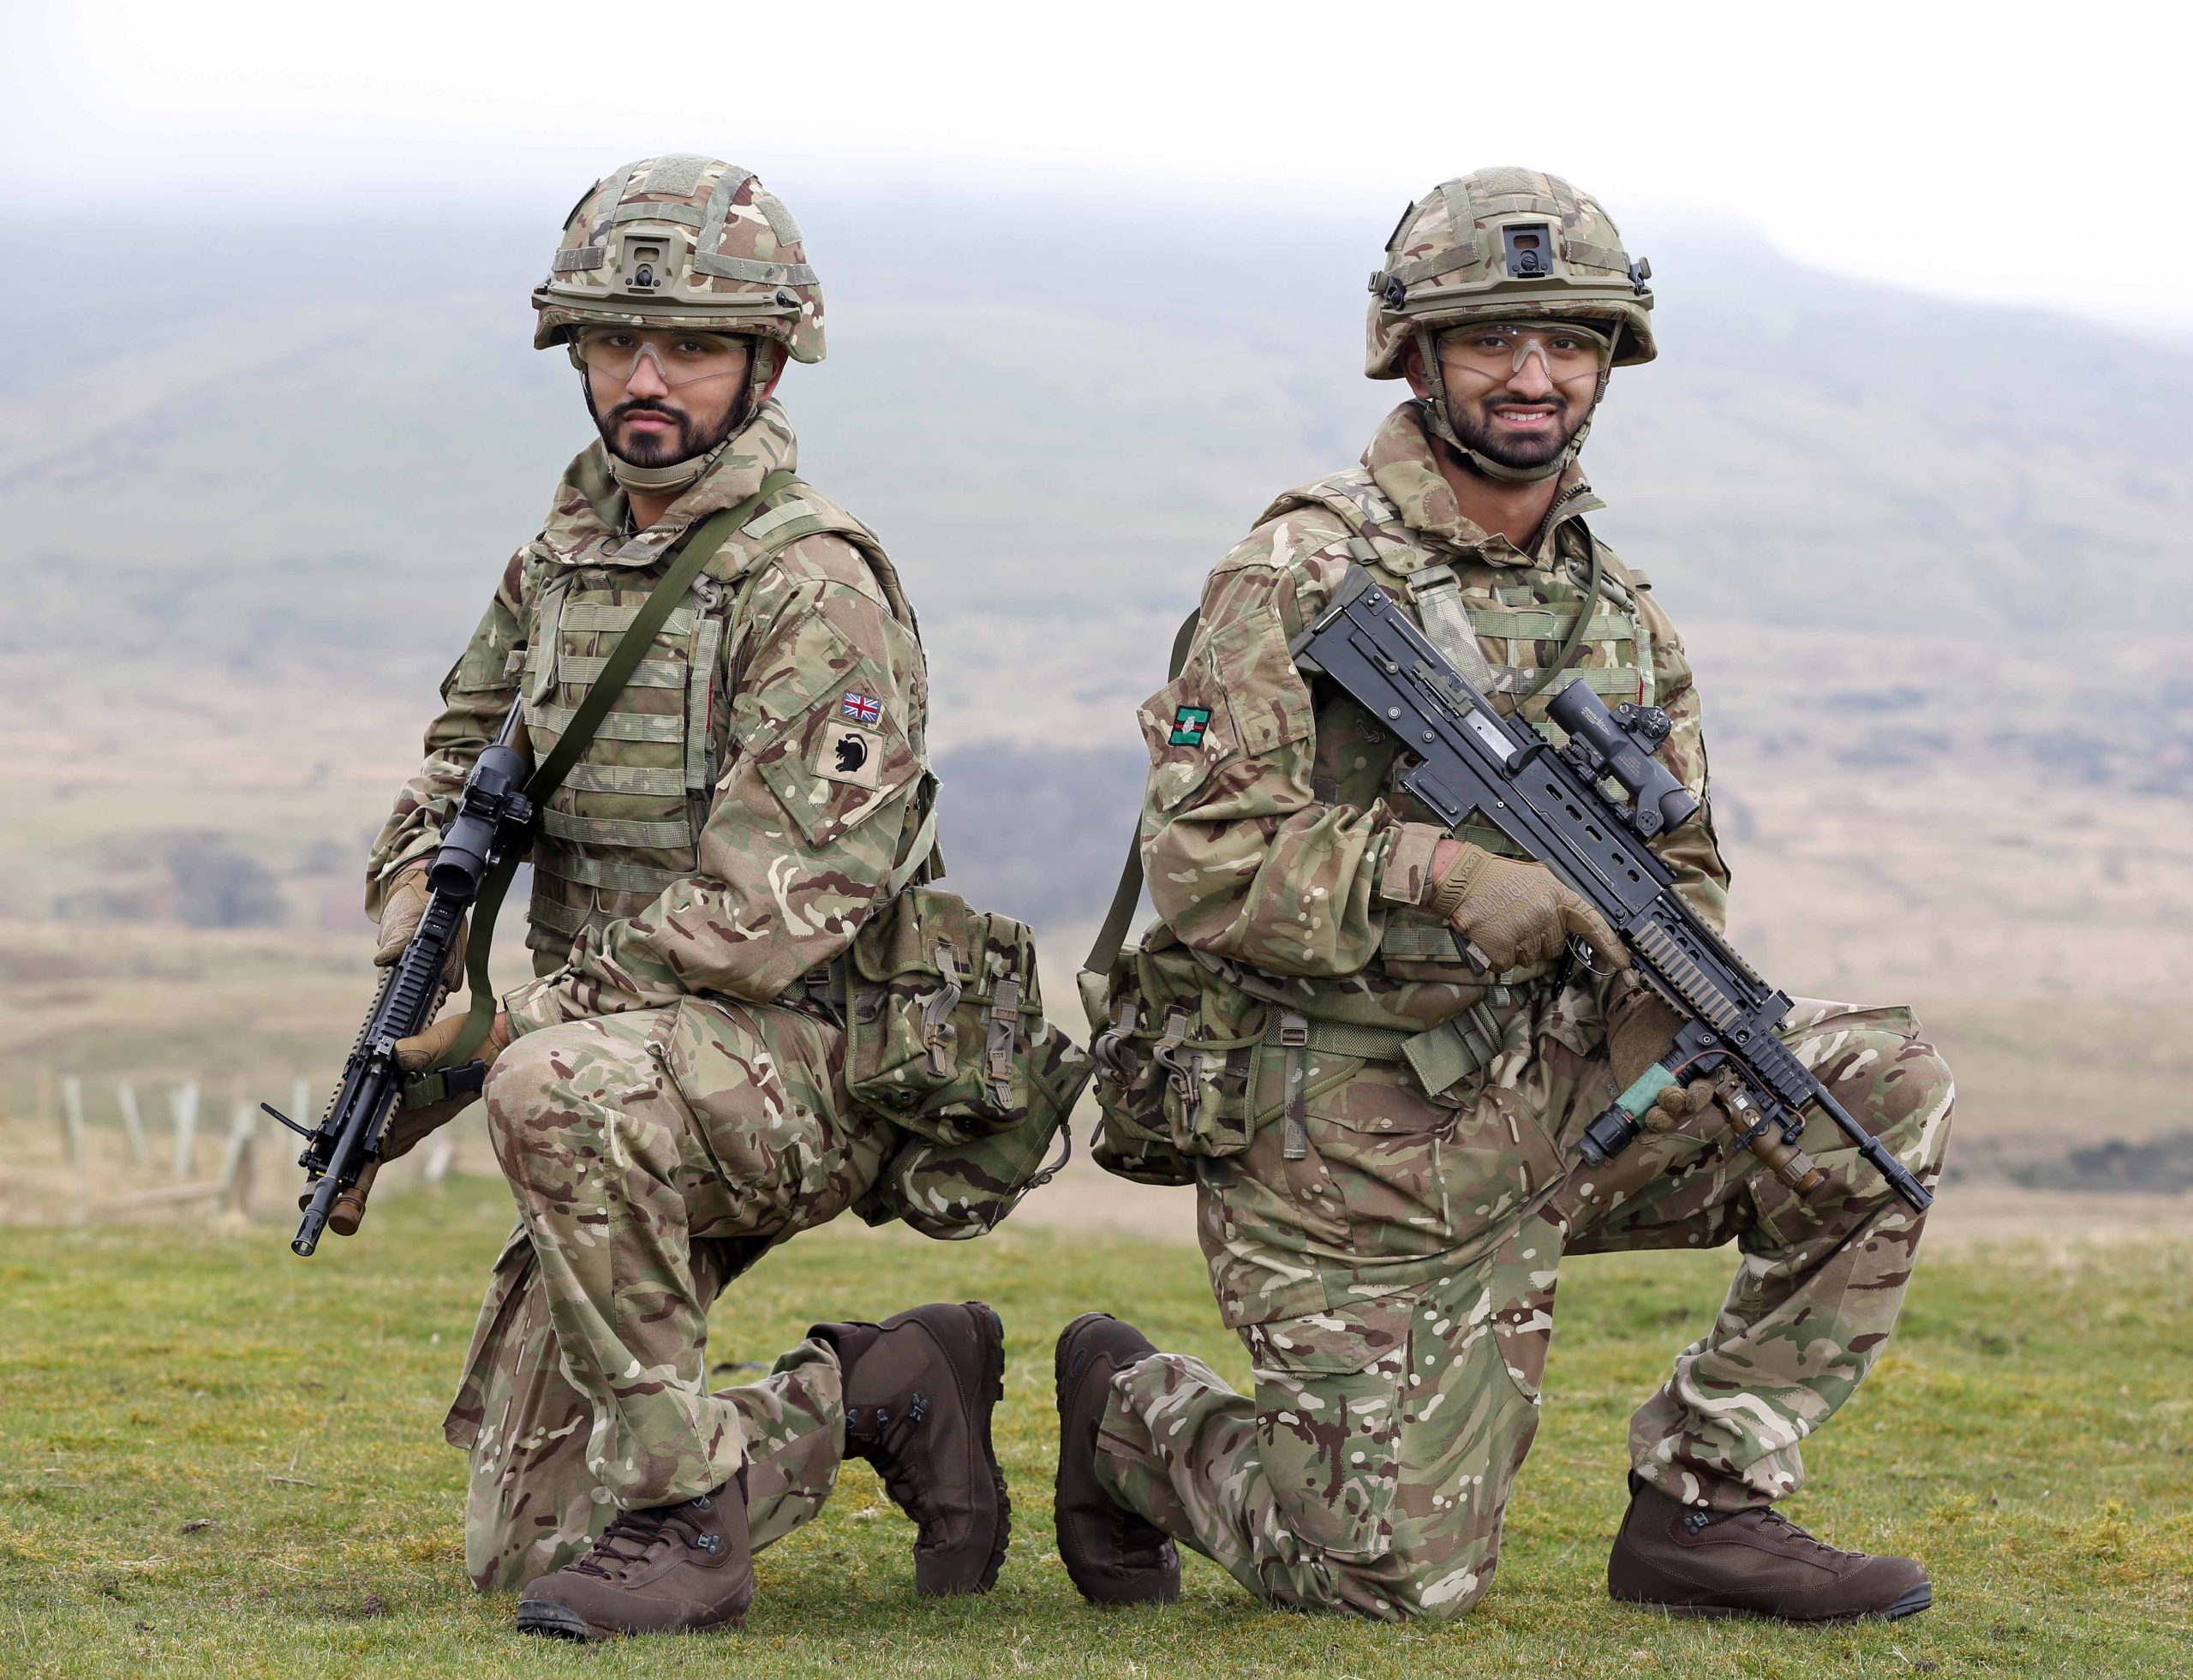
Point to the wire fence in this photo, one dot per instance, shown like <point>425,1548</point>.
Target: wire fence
<point>91,1150</point>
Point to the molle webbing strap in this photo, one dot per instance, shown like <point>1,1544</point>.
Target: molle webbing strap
<point>700,547</point>
<point>719,209</point>
<point>612,198</point>
<point>684,214</point>
<point>917,854</point>
<point>1461,218</point>
<point>1113,935</point>
<point>1440,1056</point>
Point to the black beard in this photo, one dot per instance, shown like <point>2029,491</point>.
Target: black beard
<point>1475,430</point>
<point>651,452</point>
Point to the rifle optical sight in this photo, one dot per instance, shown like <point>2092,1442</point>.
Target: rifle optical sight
<point>1622,744</point>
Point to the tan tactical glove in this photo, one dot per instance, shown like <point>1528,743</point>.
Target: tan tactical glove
<point>1719,1104</point>
<point>406,1126</point>
<point>403,904</point>
<point>1640,1029</point>
<point>1516,912</point>
<point>1679,1104</point>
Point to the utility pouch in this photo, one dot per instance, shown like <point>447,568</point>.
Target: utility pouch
<point>951,1192</point>
<point>943,1017</point>
<point>1138,1003</point>
<point>1175,1057</point>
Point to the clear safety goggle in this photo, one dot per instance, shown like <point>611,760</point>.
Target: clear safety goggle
<point>680,358</point>
<point>1498,350</point>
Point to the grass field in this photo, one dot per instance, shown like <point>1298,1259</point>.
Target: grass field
<point>215,1459</point>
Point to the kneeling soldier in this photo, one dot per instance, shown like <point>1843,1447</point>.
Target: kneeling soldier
<point>668,1097</point>
<point>1383,1130</point>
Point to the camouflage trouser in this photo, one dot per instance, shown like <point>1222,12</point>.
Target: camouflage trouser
<point>652,1155</point>
<point>1370,1469</point>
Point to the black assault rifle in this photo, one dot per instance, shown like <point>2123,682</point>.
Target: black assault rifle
<point>494,818</point>
<point>1547,800</point>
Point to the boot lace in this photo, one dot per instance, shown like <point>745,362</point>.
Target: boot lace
<point>881,1435</point>
<point>631,1537</point>
<point>1768,1517</point>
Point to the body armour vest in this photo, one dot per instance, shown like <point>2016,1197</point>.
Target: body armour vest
<point>626,822</point>
<point>1505,628</point>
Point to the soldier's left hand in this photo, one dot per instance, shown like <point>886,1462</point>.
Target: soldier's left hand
<point>1682,1108</point>
<point>406,1126</point>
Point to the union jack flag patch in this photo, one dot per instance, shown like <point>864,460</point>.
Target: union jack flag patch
<point>861,707</point>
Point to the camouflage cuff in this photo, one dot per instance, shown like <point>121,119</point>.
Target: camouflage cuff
<point>539,1003</point>
<point>1406,876</point>
<point>391,858</point>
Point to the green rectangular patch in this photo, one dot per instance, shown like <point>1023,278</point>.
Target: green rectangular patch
<point>1188,725</point>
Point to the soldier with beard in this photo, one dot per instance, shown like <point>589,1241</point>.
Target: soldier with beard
<point>1383,1127</point>
<point>667,1098</point>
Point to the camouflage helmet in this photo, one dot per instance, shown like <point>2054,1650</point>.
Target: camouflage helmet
<point>1506,244</point>
<point>684,240</point>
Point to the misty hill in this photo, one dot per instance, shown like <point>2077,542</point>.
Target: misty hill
<point>1880,517</point>
<point>1057,415</point>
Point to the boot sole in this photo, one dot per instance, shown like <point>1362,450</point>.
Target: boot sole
<point>1920,1597</point>
<point>990,1331</point>
<point>556,1621</point>
<point>1150,1586</point>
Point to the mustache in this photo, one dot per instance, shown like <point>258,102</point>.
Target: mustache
<point>624,410</point>
<point>1505,399</point>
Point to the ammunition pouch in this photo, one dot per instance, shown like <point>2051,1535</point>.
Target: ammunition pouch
<point>944,1020</point>
<point>951,1192</point>
<point>1175,1063</point>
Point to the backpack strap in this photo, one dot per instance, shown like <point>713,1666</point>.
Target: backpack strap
<point>699,547</point>
<point>1112,937</point>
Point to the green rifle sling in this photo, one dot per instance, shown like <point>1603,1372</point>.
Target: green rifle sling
<point>1113,937</point>
<point>710,534</point>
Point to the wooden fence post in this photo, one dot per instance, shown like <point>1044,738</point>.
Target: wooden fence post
<point>184,1102</point>
<point>439,1155</point>
<point>133,1123</point>
<point>72,1128</point>
<point>234,1182</point>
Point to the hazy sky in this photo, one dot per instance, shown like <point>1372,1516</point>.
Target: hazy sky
<point>1944,147</point>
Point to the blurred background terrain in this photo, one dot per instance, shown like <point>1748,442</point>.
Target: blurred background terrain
<point>1928,556</point>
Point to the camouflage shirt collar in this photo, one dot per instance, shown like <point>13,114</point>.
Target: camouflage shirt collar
<point>591,512</point>
<point>1400,461</point>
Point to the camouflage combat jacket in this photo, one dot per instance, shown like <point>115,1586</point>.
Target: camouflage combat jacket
<point>718,835</point>
<point>1277,843</point>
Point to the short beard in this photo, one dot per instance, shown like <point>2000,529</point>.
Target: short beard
<point>1475,430</point>
<point>648,452</point>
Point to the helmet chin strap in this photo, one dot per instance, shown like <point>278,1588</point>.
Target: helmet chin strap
<point>1439,420</point>
<point>661,480</point>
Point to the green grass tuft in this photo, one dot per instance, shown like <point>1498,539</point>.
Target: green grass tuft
<point>215,1459</point>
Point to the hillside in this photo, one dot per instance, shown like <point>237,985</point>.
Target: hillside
<point>1056,414</point>
<point>1928,557</point>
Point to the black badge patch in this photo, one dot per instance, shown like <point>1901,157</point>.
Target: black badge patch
<point>851,756</point>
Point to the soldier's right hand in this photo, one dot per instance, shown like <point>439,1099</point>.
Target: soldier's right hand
<point>1515,911</point>
<point>402,903</point>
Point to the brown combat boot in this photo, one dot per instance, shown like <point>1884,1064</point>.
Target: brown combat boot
<point>1114,1555</point>
<point>1693,1562</point>
<point>919,1389</point>
<point>670,1570</point>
